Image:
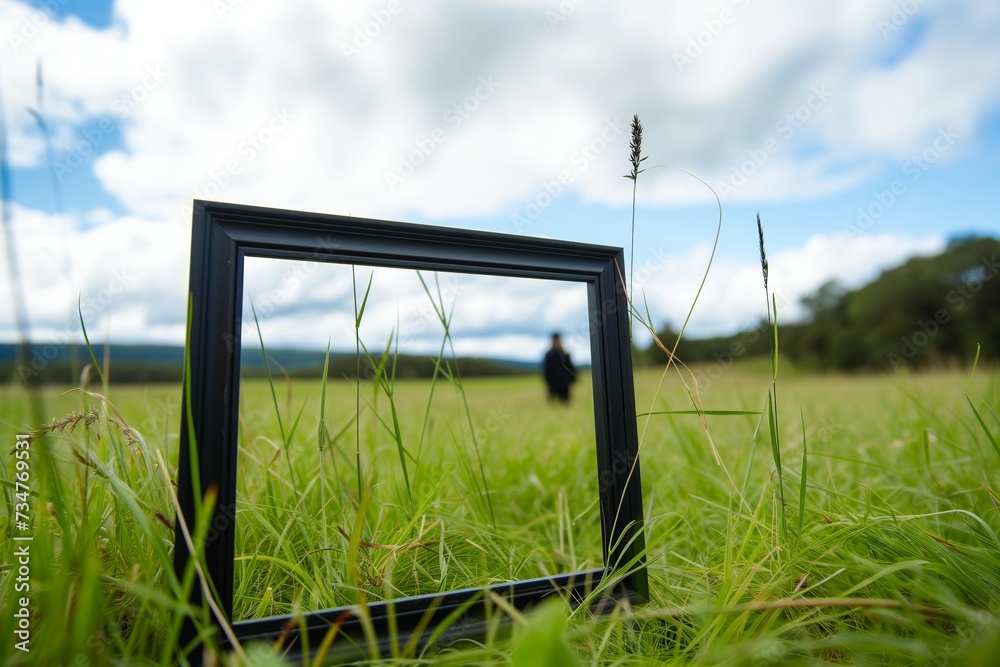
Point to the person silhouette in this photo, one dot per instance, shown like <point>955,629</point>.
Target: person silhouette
<point>559,371</point>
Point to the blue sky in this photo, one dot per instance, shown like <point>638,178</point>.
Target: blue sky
<point>863,133</point>
<point>96,13</point>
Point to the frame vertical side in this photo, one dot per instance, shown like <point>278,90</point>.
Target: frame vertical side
<point>214,354</point>
<point>619,474</point>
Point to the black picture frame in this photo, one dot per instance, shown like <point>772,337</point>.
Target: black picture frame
<point>223,235</point>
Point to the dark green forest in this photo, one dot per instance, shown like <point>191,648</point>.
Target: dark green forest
<point>928,312</point>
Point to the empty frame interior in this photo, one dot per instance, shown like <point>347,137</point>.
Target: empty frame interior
<point>409,481</point>
<point>436,394</point>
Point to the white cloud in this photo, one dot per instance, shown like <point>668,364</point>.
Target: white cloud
<point>305,304</point>
<point>131,269</point>
<point>733,297</point>
<point>554,89</point>
<point>898,109</point>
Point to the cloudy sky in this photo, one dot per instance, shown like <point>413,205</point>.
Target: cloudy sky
<point>863,131</point>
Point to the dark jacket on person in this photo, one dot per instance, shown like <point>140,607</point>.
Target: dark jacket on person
<point>559,372</point>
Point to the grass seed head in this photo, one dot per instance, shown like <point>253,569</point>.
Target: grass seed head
<point>636,156</point>
<point>763,253</point>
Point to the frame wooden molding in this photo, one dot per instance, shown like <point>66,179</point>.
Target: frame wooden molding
<point>223,235</point>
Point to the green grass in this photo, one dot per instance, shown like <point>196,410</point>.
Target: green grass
<point>891,554</point>
<point>434,532</point>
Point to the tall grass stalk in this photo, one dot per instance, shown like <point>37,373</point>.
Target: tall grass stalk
<point>38,113</point>
<point>66,266</point>
<point>636,158</point>
<point>772,397</point>
<point>691,389</point>
<point>23,359</point>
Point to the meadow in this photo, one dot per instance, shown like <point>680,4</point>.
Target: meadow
<point>877,544</point>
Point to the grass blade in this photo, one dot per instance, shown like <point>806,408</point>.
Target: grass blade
<point>364,302</point>
<point>86,339</point>
<point>776,453</point>
<point>804,475</point>
<point>274,397</point>
<point>979,418</point>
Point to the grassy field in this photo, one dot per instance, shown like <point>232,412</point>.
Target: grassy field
<point>527,510</point>
<point>885,552</point>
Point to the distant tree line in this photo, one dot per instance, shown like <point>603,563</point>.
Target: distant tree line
<point>153,363</point>
<point>406,366</point>
<point>928,312</point>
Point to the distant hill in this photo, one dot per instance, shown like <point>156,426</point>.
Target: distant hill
<point>164,363</point>
<point>130,363</point>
